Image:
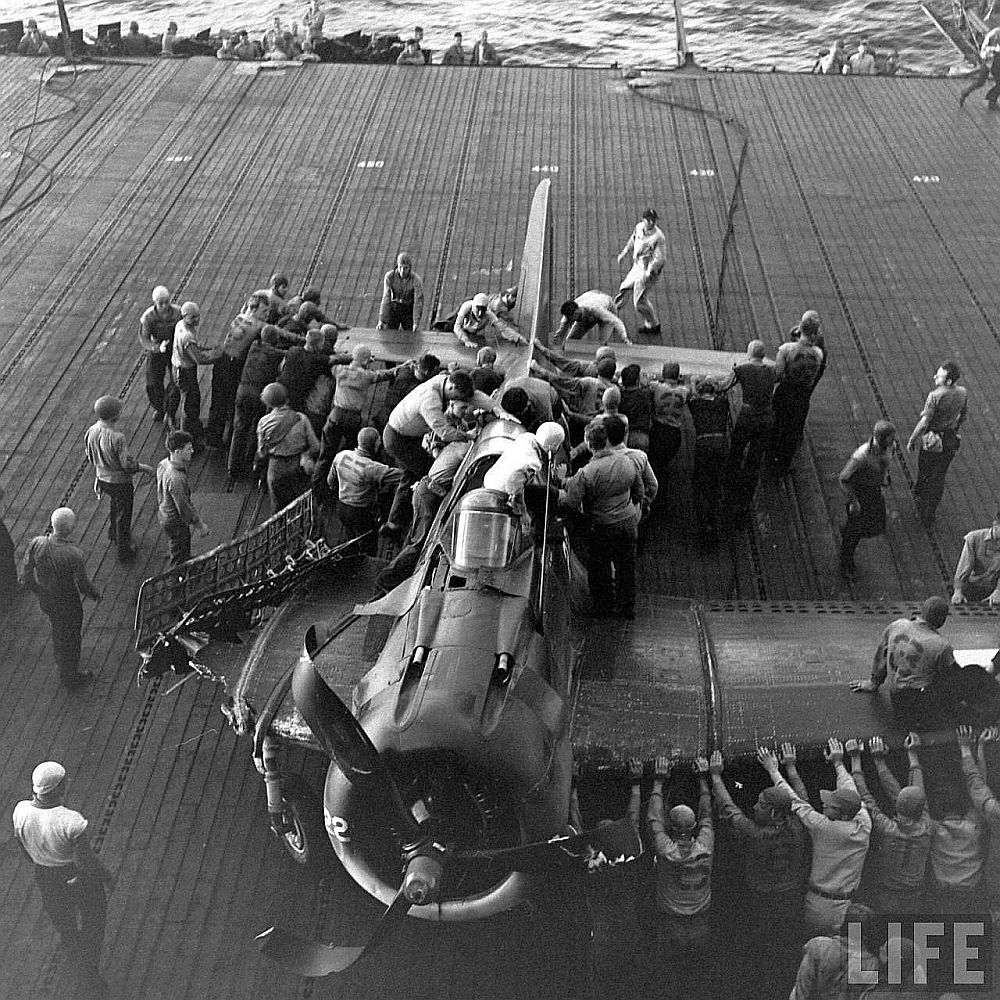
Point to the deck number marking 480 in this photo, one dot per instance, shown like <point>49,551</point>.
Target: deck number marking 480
<point>705,172</point>
<point>371,164</point>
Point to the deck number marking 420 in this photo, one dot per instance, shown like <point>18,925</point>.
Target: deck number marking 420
<point>371,164</point>
<point>926,179</point>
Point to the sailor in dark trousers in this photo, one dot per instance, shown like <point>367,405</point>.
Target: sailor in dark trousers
<point>114,466</point>
<point>799,365</point>
<point>861,481</point>
<point>937,435</point>
<point>69,876</point>
<point>156,338</point>
<point>754,424</point>
<point>607,490</point>
<point>54,568</point>
<point>8,567</point>
<point>710,415</point>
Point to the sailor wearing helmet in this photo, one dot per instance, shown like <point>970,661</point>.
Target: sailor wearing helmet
<point>476,317</point>
<point>114,466</point>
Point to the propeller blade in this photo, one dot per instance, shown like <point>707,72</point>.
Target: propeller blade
<point>306,958</point>
<point>610,844</point>
<point>344,739</point>
<point>332,723</point>
<point>310,958</point>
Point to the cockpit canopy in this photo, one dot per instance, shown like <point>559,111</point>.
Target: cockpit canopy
<point>486,532</point>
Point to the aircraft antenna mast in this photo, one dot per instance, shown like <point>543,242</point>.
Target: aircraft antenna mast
<point>684,55</point>
<point>545,535</point>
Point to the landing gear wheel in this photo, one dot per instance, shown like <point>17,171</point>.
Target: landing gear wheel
<point>305,841</point>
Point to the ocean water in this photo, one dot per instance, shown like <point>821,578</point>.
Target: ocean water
<point>722,34</point>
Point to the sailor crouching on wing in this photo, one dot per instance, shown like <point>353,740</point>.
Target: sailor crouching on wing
<point>475,318</point>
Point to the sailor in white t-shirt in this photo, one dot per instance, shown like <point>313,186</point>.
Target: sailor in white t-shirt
<point>69,875</point>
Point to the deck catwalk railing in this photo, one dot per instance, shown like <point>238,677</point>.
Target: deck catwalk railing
<point>256,556</point>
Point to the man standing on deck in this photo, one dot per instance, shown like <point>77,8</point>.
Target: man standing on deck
<point>260,369</point>
<point>988,52</point>
<point>903,841</point>
<point>186,355</point>
<point>243,331</point>
<point>351,401</point>
<point>936,432</point>
<point>454,55</point>
<point>70,878</point>
<point>483,53</point>
<point>754,422</point>
<point>54,568</point>
<point>608,489</point>
<point>174,509</point>
<point>402,303</point>
<point>666,432</point>
<point>284,438</point>
<point>362,483</point>
<point>799,365</point>
<point>114,467</point>
<point>840,835</point>
<point>648,248</point>
<point>156,338</point>
<point>861,481</point>
<point>917,661</point>
<point>684,846</point>
<point>775,853</point>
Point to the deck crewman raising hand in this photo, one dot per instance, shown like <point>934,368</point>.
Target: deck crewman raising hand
<point>840,836</point>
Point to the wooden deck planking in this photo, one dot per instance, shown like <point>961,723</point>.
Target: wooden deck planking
<point>175,800</point>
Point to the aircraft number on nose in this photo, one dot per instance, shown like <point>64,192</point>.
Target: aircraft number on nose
<point>338,827</point>
<point>926,179</point>
<point>371,164</point>
<point>545,168</point>
<point>705,172</point>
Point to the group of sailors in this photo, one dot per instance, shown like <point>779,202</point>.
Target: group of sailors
<point>279,41</point>
<point>866,60</point>
<point>819,884</point>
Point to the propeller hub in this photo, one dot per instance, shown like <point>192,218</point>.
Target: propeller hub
<point>422,882</point>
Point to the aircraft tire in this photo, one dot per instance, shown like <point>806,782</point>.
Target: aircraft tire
<point>306,843</point>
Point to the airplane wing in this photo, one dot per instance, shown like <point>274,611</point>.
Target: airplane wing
<point>396,346</point>
<point>529,316</point>
<point>737,676</point>
<point>652,357</point>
